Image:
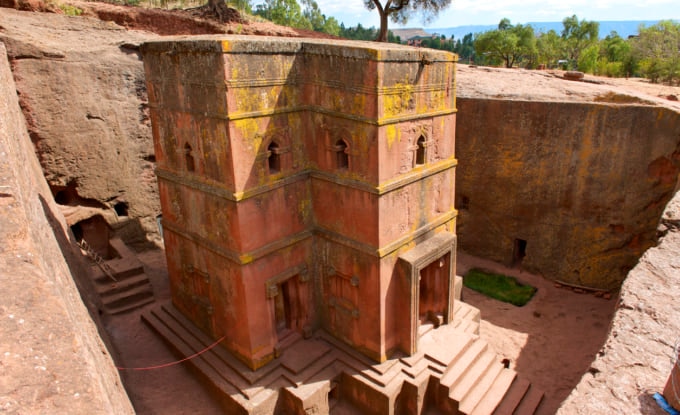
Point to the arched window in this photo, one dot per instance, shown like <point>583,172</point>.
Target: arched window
<point>189,158</point>
<point>420,151</point>
<point>341,156</point>
<point>273,158</point>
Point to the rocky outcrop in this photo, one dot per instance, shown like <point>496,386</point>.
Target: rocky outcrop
<point>82,91</point>
<point>53,360</point>
<point>636,359</point>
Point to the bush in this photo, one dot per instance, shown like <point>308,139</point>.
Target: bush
<point>70,10</point>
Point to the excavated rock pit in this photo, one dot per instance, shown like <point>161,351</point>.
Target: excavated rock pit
<point>579,171</point>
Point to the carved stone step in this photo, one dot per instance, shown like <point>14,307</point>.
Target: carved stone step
<point>458,368</point>
<point>495,393</point>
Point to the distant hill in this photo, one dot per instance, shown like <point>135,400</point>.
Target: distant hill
<point>623,28</point>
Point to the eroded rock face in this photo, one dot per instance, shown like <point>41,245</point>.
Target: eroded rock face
<point>53,360</point>
<point>636,359</point>
<point>572,191</point>
<point>81,87</point>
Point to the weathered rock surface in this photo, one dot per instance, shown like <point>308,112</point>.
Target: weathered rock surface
<point>580,184</point>
<point>636,360</point>
<point>81,87</point>
<point>51,356</point>
<point>56,49</point>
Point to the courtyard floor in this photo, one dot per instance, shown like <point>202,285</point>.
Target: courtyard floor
<point>551,341</point>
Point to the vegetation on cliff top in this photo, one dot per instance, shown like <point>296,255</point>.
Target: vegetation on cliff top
<point>653,54</point>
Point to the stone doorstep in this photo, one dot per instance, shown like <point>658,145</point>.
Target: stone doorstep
<point>309,367</point>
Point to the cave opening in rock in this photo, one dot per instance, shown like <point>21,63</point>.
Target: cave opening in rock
<point>68,196</point>
<point>519,251</point>
<point>121,208</point>
<point>96,233</point>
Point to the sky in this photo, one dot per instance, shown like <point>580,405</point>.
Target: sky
<point>480,12</point>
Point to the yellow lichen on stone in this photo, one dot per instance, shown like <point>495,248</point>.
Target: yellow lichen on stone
<point>248,128</point>
<point>358,104</point>
<point>393,135</point>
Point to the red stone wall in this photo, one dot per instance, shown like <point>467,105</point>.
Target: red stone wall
<point>345,198</point>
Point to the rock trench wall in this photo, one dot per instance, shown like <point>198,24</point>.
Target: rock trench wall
<point>53,360</point>
<point>83,96</point>
<point>645,138</point>
<point>580,185</point>
<point>635,361</point>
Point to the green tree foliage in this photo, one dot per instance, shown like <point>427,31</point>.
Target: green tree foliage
<point>658,51</point>
<point>243,6</point>
<point>465,48</point>
<point>549,49</point>
<point>616,59</point>
<point>509,44</point>
<point>284,12</point>
<point>399,11</point>
<point>439,42</point>
<point>318,20</point>
<point>579,36</point>
<point>362,33</point>
<point>654,54</point>
<point>358,32</point>
<point>588,58</point>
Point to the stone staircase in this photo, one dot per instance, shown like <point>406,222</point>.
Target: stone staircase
<point>121,282</point>
<point>455,372</point>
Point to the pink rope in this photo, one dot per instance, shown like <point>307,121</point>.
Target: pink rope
<point>176,362</point>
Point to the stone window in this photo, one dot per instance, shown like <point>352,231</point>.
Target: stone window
<point>274,158</point>
<point>189,158</point>
<point>341,154</point>
<point>420,151</point>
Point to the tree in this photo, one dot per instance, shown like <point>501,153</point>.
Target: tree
<point>549,47</point>
<point>616,57</point>
<point>399,11</point>
<point>465,48</point>
<point>658,49</point>
<point>508,43</point>
<point>283,12</point>
<point>587,60</point>
<point>358,32</point>
<point>578,36</point>
<point>331,26</point>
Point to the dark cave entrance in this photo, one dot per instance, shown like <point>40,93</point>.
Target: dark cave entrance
<point>519,251</point>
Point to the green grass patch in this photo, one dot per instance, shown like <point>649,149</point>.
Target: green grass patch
<point>498,286</point>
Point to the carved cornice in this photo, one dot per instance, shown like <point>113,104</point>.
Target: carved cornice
<point>218,189</point>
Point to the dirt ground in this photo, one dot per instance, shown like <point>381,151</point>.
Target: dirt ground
<point>551,341</point>
<point>170,390</point>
